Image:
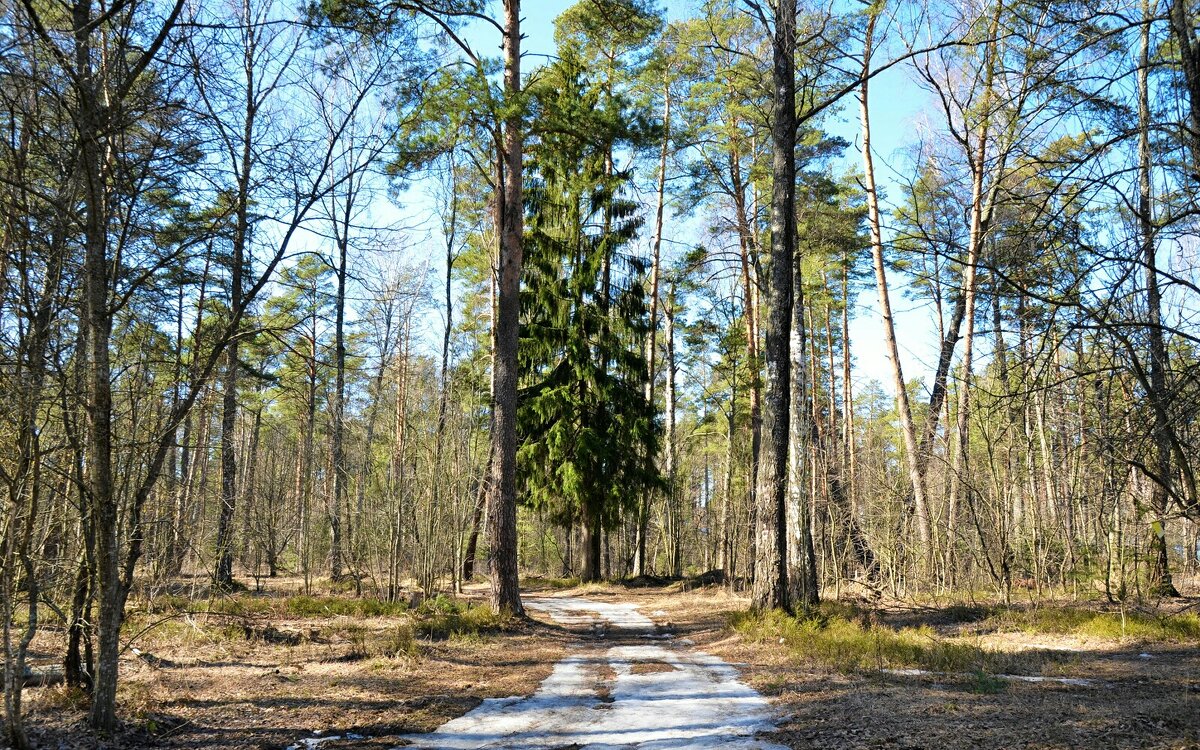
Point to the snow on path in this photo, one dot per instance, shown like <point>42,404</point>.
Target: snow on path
<point>599,700</point>
<point>572,610</point>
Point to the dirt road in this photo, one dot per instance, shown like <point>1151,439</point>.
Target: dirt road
<point>625,687</point>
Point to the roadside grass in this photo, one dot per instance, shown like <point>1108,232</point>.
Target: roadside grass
<point>1138,625</point>
<point>840,638</point>
<point>232,618</point>
<point>845,638</point>
<point>299,606</point>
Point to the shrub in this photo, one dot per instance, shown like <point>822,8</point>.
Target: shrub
<point>440,618</point>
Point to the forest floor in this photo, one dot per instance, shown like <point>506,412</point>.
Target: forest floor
<point>279,670</point>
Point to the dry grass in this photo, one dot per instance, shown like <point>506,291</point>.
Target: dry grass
<point>834,641</point>
<point>332,663</point>
<point>263,671</point>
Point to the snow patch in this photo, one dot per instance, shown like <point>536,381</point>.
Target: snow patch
<point>699,703</point>
<point>570,610</point>
<point>1074,681</point>
<point>313,742</point>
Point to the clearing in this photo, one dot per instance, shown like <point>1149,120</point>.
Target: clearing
<point>652,667</point>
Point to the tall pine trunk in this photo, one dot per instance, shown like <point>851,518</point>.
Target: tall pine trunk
<point>801,557</point>
<point>903,406</point>
<point>673,511</point>
<point>639,560</point>
<point>1160,569</point>
<point>223,575</point>
<point>502,503</point>
<point>770,590</point>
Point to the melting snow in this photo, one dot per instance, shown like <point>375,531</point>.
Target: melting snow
<point>569,610</point>
<point>313,743</point>
<point>697,703</point>
<point>689,699</point>
<point>1074,681</point>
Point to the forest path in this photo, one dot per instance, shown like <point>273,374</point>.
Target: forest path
<point>617,691</point>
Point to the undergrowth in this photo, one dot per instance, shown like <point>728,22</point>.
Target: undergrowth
<point>1096,624</point>
<point>840,638</point>
<point>441,618</point>
<point>844,638</point>
<point>247,617</point>
<point>300,605</point>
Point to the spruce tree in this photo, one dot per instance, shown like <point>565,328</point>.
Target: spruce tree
<point>588,434</point>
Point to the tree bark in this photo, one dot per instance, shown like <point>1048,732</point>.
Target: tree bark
<point>593,535</point>
<point>341,476</point>
<point>502,502</point>
<point>468,566</point>
<point>97,318</point>
<point>801,560</point>
<point>639,560</point>
<point>223,576</point>
<point>748,247</point>
<point>1160,569</point>
<point>770,590</point>
<point>669,466</point>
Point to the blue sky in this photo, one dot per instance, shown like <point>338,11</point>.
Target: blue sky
<point>896,103</point>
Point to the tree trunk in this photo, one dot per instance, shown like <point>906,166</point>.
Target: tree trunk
<point>669,467</point>
<point>338,437</point>
<point>748,247</point>
<point>468,567</point>
<point>223,575</point>
<point>593,535</point>
<point>639,560</point>
<point>304,477</point>
<point>725,560</point>
<point>96,317</point>
<point>439,438</point>
<point>770,589</point>
<point>908,430</point>
<point>1160,570</point>
<point>801,560</point>
<point>502,502</point>
<point>78,664</point>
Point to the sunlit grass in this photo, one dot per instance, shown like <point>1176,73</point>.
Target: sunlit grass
<point>243,617</point>
<point>301,605</point>
<point>841,639</point>
<point>1096,624</point>
<point>441,618</point>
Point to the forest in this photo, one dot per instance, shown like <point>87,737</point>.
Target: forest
<point>405,309</point>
